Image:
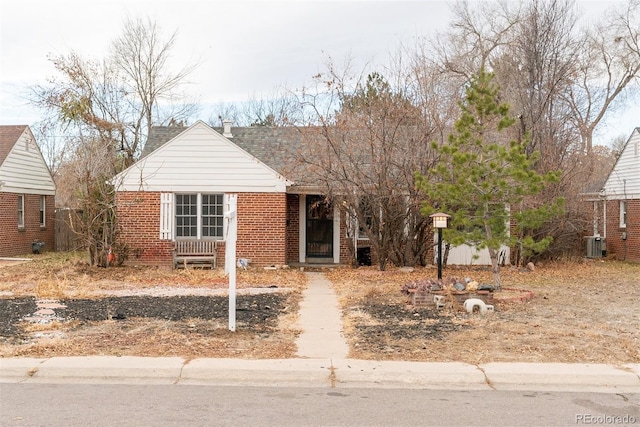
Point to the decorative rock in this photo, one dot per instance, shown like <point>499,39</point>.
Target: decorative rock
<point>531,267</point>
<point>471,303</point>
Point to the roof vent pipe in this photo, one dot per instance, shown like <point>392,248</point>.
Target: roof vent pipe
<point>226,123</point>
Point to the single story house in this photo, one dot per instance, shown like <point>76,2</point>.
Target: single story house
<point>179,189</point>
<point>616,207</point>
<point>27,194</point>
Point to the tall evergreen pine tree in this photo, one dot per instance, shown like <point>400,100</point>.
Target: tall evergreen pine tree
<point>482,179</point>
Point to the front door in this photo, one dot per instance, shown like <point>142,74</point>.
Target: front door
<point>319,228</point>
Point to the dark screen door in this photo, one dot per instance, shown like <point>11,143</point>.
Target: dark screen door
<point>319,228</point>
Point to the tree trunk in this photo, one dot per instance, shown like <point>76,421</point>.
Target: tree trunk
<point>495,268</point>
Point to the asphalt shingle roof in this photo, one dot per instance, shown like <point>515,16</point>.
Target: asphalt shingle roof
<point>9,135</point>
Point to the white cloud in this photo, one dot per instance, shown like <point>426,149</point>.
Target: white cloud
<point>244,47</point>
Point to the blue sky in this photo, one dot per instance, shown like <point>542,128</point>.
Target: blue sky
<point>244,48</point>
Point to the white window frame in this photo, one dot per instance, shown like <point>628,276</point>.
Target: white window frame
<point>623,214</point>
<point>199,222</point>
<point>176,215</point>
<point>43,211</point>
<point>219,216</point>
<point>21,211</point>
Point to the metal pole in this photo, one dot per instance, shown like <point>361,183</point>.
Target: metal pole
<point>439,253</point>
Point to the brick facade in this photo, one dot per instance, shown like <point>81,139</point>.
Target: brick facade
<point>261,229</point>
<point>139,225</point>
<point>16,241</point>
<point>623,249</point>
<point>293,228</point>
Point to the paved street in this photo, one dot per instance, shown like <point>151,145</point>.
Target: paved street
<point>319,387</point>
<point>180,405</point>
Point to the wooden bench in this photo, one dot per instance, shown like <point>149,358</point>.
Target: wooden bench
<point>200,253</point>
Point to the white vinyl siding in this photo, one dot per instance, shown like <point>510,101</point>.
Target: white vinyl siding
<point>200,160</point>
<point>24,170</point>
<point>623,183</point>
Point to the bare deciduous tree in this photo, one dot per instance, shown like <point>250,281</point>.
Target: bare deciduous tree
<point>105,109</point>
<point>364,154</point>
<point>608,62</point>
<point>143,56</point>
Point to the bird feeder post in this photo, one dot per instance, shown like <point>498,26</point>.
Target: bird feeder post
<point>439,222</point>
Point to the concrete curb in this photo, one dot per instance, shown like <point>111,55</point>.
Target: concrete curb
<point>272,372</point>
<point>398,374</point>
<point>91,369</point>
<point>339,373</point>
<point>562,377</point>
<point>18,369</point>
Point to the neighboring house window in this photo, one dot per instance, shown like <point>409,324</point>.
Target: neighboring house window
<point>623,214</point>
<point>20,211</point>
<point>199,215</point>
<point>43,204</point>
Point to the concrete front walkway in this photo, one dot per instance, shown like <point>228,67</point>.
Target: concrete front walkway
<point>320,321</point>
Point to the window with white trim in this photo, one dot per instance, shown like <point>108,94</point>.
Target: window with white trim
<point>212,215</point>
<point>43,206</point>
<point>199,216</point>
<point>623,214</point>
<point>20,211</point>
<point>186,215</point>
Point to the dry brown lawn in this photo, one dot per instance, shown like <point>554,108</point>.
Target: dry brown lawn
<point>581,312</point>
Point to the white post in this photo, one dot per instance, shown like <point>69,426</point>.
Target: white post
<point>230,255</point>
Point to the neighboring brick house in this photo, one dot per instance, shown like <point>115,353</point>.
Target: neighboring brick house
<point>27,194</point>
<point>179,188</point>
<point>617,205</point>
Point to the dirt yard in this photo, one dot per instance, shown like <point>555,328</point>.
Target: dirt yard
<point>581,312</point>
<point>144,311</point>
